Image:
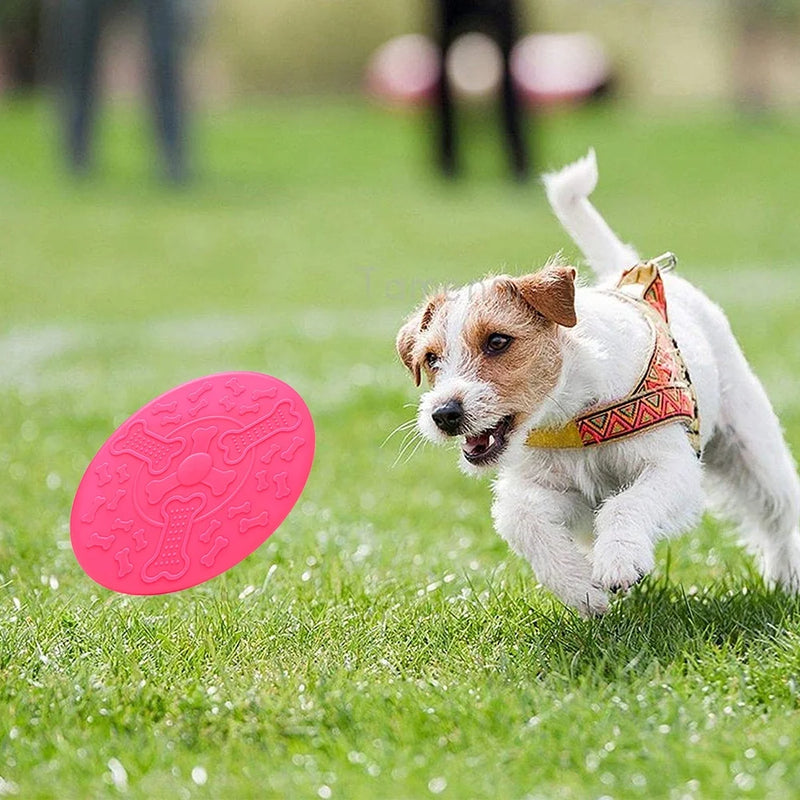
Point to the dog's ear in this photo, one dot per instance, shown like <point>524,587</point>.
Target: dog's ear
<point>550,292</point>
<point>406,340</point>
<point>409,333</point>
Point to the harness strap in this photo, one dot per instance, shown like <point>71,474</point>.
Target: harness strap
<point>664,392</point>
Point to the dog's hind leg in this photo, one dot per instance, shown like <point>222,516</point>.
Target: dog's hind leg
<point>751,477</point>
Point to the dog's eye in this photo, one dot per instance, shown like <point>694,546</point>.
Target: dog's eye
<point>497,343</point>
<point>432,360</point>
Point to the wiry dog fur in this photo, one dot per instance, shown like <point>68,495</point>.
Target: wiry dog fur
<point>509,354</point>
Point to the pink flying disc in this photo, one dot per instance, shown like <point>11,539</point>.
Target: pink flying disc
<point>192,483</point>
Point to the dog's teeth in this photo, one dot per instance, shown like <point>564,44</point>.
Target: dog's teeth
<point>491,440</point>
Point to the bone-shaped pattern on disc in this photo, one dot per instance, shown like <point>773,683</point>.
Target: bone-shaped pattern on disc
<point>171,560</point>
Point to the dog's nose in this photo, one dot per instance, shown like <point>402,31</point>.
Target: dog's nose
<point>448,417</point>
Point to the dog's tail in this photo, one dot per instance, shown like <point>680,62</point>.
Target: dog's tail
<point>568,191</point>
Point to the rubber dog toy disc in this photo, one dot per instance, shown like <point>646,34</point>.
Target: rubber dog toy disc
<point>192,483</point>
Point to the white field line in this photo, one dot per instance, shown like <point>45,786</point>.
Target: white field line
<point>77,359</point>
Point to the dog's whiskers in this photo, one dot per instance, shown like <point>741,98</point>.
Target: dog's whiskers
<point>407,440</point>
<point>419,442</point>
<point>409,437</point>
<point>403,426</point>
<point>411,442</point>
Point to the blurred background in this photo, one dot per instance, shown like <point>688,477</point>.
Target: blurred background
<point>686,102</point>
<point>192,60</point>
<point>663,51</point>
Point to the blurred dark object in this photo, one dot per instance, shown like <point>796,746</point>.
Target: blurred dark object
<point>762,28</point>
<point>20,43</point>
<point>499,20</point>
<point>81,24</point>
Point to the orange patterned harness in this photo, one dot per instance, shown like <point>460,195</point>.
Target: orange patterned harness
<point>663,394</point>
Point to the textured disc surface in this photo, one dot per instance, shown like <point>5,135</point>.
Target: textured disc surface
<point>192,483</point>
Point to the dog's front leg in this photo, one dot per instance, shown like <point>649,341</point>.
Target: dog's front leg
<point>534,522</point>
<point>665,499</point>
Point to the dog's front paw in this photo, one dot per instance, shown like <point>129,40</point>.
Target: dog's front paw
<point>781,567</point>
<point>591,601</point>
<point>621,563</point>
<point>580,593</point>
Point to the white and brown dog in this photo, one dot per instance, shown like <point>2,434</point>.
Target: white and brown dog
<point>509,356</point>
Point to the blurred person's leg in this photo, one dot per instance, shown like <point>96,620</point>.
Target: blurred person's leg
<point>80,35</point>
<point>445,35</point>
<point>20,41</point>
<point>764,30</point>
<point>750,60</point>
<point>164,36</point>
<point>512,110</point>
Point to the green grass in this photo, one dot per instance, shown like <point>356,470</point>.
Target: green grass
<point>383,643</point>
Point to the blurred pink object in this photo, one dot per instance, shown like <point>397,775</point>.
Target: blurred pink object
<point>552,68</point>
<point>474,65</point>
<point>404,70</point>
<point>548,68</point>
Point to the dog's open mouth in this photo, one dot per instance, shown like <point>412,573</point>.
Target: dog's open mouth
<point>486,447</point>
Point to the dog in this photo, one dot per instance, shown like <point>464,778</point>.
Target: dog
<point>513,362</point>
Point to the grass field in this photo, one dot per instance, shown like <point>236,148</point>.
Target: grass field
<point>383,643</point>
